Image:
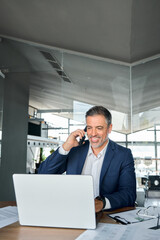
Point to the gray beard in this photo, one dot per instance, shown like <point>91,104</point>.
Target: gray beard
<point>99,145</point>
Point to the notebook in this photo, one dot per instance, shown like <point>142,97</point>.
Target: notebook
<point>63,201</point>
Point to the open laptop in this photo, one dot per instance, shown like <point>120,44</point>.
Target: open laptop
<point>65,201</point>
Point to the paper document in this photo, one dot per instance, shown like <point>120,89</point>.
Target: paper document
<point>148,224</point>
<point>106,231</point>
<point>127,216</point>
<point>8,215</point>
<point>131,218</point>
<point>133,232</point>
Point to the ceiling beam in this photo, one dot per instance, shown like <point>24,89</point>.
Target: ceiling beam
<point>54,110</point>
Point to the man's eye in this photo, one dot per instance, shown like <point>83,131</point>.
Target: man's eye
<point>99,128</point>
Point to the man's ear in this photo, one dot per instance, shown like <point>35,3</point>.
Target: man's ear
<point>110,128</point>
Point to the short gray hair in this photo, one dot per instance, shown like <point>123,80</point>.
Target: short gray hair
<point>100,110</point>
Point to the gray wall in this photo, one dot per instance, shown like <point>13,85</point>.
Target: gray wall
<point>15,122</point>
<point>1,109</point>
<point>1,100</point>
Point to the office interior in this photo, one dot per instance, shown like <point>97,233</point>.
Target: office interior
<point>59,58</point>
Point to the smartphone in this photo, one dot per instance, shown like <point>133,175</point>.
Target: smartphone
<point>83,138</point>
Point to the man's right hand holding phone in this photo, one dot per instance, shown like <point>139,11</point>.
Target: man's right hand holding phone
<point>72,139</point>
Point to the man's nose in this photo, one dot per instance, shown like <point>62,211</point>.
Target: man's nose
<point>94,132</point>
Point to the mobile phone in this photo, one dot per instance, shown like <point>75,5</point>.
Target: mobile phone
<point>83,138</point>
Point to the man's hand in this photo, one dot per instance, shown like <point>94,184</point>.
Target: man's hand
<point>72,139</point>
<point>98,205</point>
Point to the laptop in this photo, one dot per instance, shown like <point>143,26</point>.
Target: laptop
<point>63,201</point>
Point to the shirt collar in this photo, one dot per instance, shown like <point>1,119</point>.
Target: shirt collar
<point>102,152</point>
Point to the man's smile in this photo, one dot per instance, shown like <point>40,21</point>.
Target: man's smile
<point>94,139</point>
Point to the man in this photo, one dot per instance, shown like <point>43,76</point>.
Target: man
<point>110,164</point>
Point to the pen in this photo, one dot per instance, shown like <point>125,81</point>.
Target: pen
<point>120,221</point>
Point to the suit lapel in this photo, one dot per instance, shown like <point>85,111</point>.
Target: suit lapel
<point>107,159</point>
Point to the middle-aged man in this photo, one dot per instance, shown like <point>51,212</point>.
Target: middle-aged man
<point>110,164</point>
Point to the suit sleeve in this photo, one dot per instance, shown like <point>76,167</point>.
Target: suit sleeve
<point>54,164</point>
<point>124,193</point>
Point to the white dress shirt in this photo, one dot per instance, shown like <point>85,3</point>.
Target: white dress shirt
<point>92,166</point>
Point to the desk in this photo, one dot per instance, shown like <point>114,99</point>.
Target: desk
<point>17,232</point>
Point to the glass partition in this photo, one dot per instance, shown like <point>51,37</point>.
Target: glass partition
<point>87,81</point>
<point>65,84</point>
<point>70,83</point>
<point>145,138</point>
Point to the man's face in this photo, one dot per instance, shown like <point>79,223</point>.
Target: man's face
<point>97,130</point>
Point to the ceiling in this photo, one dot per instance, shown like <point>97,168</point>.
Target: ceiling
<point>124,30</point>
<point>101,46</point>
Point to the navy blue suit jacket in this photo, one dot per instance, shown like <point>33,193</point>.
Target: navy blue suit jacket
<point>117,178</point>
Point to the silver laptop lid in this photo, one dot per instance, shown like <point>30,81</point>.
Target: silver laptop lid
<point>65,201</point>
